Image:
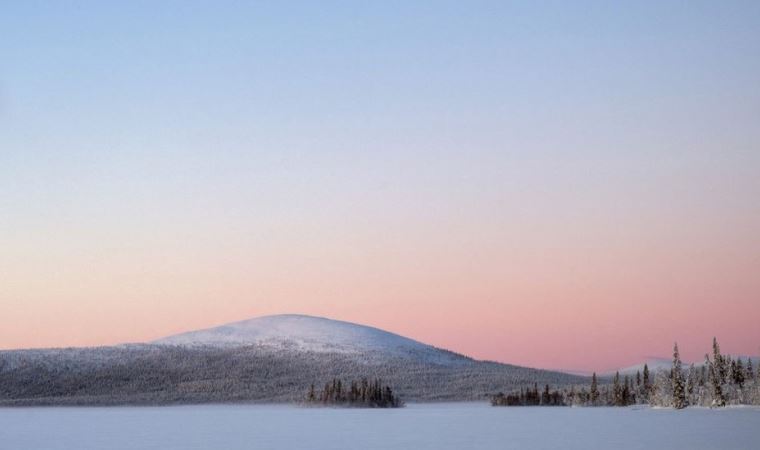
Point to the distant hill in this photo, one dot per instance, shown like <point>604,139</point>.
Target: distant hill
<point>656,364</point>
<point>267,359</point>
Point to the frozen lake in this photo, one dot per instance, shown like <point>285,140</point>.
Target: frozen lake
<point>422,426</point>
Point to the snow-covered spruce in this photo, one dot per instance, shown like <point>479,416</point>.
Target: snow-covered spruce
<point>679,389</point>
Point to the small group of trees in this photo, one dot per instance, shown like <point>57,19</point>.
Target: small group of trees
<point>721,380</point>
<point>623,391</point>
<point>530,397</point>
<point>362,393</point>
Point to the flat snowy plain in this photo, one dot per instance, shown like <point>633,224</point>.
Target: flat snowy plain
<point>418,426</point>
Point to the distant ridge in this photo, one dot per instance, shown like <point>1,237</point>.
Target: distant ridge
<point>655,364</point>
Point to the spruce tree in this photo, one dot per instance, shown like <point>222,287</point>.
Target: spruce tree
<point>719,363</point>
<point>645,378</point>
<point>730,371</point>
<point>545,397</point>
<point>679,391</point>
<point>691,381</point>
<point>750,371</point>
<point>739,373</point>
<point>646,383</point>
<point>594,390</point>
<point>717,390</point>
<point>617,391</point>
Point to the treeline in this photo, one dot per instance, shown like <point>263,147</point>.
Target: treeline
<point>363,393</point>
<point>720,381</point>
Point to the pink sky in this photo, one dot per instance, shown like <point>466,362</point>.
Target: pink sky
<point>525,293</point>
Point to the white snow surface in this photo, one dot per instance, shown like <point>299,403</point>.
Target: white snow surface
<point>440,426</point>
<point>299,332</point>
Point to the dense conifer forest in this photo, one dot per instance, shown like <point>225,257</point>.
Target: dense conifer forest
<point>160,374</point>
<point>720,381</point>
<point>362,393</point>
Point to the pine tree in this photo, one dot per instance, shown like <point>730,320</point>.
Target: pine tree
<point>594,390</point>
<point>679,392</point>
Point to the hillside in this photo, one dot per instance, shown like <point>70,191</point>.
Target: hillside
<point>269,359</point>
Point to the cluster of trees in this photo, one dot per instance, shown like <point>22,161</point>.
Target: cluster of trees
<point>623,391</point>
<point>530,397</point>
<point>367,394</point>
<point>720,381</point>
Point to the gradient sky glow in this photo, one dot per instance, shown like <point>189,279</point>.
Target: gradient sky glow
<point>556,184</point>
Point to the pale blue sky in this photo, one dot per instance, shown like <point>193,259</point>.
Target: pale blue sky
<point>492,90</point>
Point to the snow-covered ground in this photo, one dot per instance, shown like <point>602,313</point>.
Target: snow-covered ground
<point>418,426</point>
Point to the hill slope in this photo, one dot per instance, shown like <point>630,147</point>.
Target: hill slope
<point>268,359</point>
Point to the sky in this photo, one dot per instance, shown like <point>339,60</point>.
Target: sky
<point>570,185</point>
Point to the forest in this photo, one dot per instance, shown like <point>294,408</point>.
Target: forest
<point>161,374</point>
<point>721,380</point>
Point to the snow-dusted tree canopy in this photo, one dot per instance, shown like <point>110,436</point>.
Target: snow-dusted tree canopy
<point>161,374</point>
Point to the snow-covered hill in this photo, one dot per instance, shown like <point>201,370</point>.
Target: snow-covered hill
<point>308,334</point>
<point>267,359</point>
